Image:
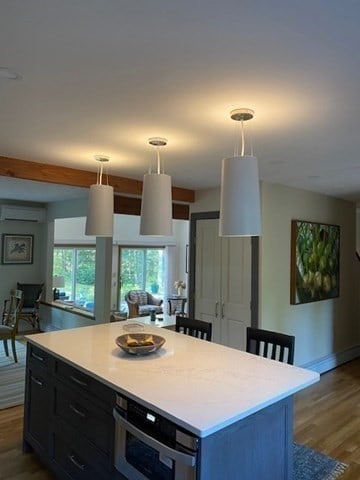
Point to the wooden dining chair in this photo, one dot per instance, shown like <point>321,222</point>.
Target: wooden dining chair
<point>274,345</point>
<point>31,303</point>
<point>10,320</point>
<point>194,328</point>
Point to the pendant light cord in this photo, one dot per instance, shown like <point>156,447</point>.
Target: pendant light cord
<point>100,174</point>
<point>101,170</point>
<point>157,142</point>
<point>158,160</point>
<point>241,139</point>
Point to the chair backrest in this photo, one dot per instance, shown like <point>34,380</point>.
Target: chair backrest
<point>137,296</point>
<point>12,308</point>
<point>32,293</point>
<point>274,345</point>
<point>193,327</point>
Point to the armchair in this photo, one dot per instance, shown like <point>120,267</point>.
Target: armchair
<point>10,320</point>
<point>30,309</point>
<point>141,303</point>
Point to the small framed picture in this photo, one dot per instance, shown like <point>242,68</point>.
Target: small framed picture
<point>17,249</point>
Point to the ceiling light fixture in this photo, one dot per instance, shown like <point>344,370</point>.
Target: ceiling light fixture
<point>240,212</point>
<point>156,203</point>
<point>100,215</point>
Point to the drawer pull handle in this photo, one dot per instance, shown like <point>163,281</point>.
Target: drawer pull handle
<point>77,464</point>
<point>37,357</point>
<point>77,411</point>
<point>38,382</point>
<point>79,382</point>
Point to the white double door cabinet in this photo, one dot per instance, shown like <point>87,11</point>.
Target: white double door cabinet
<point>223,283</point>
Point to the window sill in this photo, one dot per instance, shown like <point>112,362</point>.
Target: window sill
<point>70,307</point>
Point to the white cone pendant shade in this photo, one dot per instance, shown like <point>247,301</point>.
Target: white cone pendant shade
<point>156,202</point>
<point>240,213</point>
<point>100,213</point>
<point>240,209</point>
<point>156,205</point>
<point>100,216</point>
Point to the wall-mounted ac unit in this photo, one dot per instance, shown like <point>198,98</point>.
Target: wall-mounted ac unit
<point>25,214</point>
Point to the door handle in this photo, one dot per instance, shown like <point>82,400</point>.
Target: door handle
<point>78,381</point>
<point>37,381</point>
<point>37,357</point>
<point>77,411</point>
<point>222,310</point>
<point>80,466</point>
<point>216,309</point>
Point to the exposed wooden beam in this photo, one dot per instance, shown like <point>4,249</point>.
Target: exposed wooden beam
<point>43,172</point>
<point>132,206</point>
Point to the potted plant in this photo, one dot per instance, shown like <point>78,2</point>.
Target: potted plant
<point>154,287</point>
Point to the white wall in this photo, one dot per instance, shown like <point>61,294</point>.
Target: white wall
<point>206,201</point>
<point>29,273</point>
<point>126,231</point>
<point>321,328</point>
<point>76,207</point>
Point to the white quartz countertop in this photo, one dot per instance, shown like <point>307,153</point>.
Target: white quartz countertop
<point>161,320</point>
<point>200,385</point>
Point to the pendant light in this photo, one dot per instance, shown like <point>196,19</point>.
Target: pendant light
<point>156,203</point>
<point>240,213</point>
<point>100,214</point>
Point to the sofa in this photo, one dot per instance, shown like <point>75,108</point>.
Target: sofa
<point>141,303</point>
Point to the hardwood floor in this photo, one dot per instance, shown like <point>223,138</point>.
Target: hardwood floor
<point>14,464</point>
<point>327,418</point>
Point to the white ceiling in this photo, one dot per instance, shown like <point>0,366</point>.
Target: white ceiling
<point>101,76</point>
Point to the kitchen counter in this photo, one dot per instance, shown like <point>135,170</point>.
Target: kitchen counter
<point>202,386</point>
<point>162,320</point>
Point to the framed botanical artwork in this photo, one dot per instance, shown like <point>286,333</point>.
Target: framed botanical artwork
<point>315,261</point>
<point>17,249</point>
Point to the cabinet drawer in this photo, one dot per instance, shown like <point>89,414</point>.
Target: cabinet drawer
<point>78,460</point>
<point>38,357</point>
<point>82,382</point>
<point>86,417</point>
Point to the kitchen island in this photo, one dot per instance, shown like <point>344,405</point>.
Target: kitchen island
<point>238,405</point>
<point>161,320</point>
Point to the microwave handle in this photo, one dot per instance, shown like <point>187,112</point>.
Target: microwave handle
<point>152,442</point>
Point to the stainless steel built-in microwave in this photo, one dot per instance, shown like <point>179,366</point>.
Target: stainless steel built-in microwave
<point>151,447</point>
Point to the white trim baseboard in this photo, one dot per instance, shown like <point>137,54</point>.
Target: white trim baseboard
<point>333,360</point>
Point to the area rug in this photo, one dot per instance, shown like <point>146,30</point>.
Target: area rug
<point>12,376</point>
<point>312,465</point>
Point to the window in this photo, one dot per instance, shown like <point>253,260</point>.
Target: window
<point>77,266</point>
<point>142,269</point>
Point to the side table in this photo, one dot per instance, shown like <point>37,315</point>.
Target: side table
<point>176,304</point>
